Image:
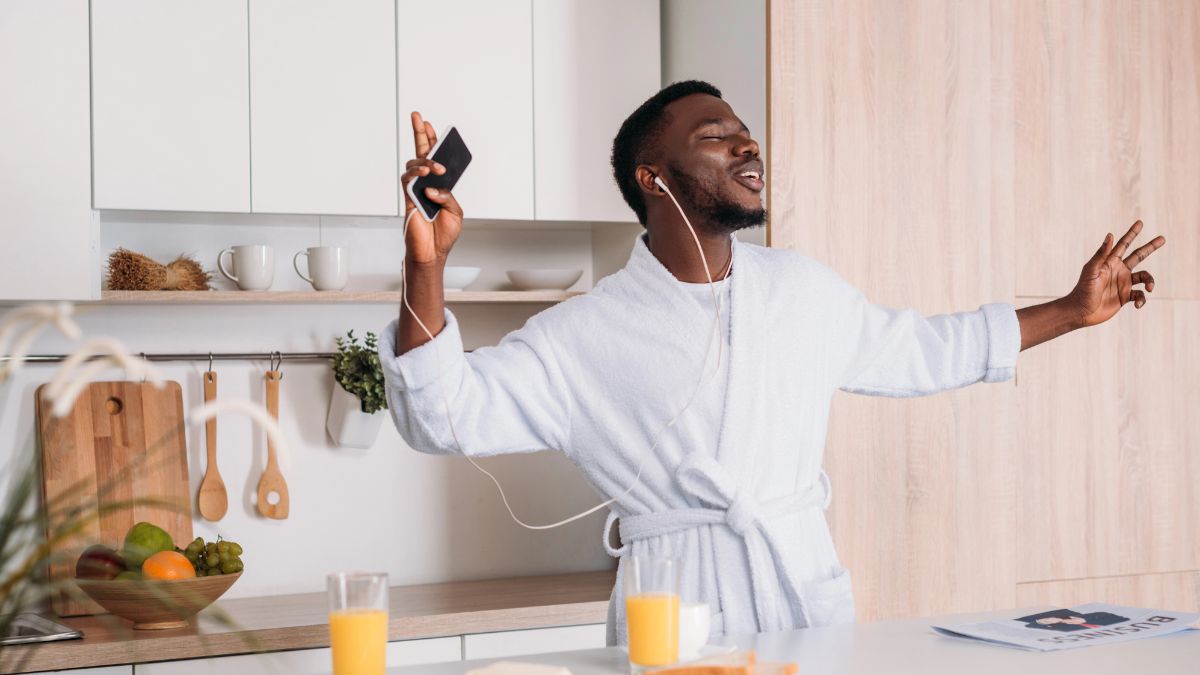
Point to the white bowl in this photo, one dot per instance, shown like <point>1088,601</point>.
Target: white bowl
<point>534,280</point>
<point>458,278</point>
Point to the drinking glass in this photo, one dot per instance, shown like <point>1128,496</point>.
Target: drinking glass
<point>651,586</point>
<point>358,622</point>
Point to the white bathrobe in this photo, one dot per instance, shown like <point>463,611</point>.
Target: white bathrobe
<point>599,376</point>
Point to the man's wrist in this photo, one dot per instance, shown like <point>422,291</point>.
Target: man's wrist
<point>1071,313</point>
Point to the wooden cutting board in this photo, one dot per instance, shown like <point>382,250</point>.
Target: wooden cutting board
<point>123,441</point>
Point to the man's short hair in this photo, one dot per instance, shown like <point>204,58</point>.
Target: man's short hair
<point>638,140</point>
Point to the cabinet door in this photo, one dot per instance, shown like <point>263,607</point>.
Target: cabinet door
<point>481,81</point>
<point>170,105</point>
<point>593,63</point>
<point>537,641</point>
<point>306,661</point>
<point>323,106</point>
<point>45,186</point>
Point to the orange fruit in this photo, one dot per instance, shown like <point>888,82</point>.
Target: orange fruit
<point>168,565</point>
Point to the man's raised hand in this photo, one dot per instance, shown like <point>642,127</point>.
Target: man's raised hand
<point>428,243</point>
<point>1108,281</point>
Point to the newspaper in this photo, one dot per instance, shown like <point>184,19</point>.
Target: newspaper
<point>1081,626</point>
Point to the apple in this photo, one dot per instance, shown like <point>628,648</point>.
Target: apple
<point>99,562</point>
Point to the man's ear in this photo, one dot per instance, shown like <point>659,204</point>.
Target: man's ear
<point>645,175</point>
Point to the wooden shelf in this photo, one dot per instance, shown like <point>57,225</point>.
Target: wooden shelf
<point>318,297</point>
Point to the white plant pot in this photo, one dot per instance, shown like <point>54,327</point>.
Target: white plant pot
<point>347,424</point>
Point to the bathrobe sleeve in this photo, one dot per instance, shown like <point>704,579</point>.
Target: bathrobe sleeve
<point>507,398</point>
<point>893,352</point>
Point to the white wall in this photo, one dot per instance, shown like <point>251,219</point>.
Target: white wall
<point>723,42</point>
<point>420,518</point>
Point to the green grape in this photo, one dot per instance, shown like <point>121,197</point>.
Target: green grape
<point>235,548</point>
<point>225,556</point>
<point>222,547</point>
<point>230,566</point>
<point>210,548</point>
<point>212,560</point>
<point>193,549</point>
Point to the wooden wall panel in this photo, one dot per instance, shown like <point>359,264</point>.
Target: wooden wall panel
<point>1172,590</point>
<point>1108,108</point>
<point>943,154</point>
<point>888,123</point>
<point>1109,448</point>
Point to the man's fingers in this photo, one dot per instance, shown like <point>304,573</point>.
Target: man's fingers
<point>421,142</point>
<point>1127,239</point>
<point>437,168</point>
<point>1102,252</point>
<point>445,199</point>
<point>1143,277</point>
<point>1138,299</point>
<point>1144,252</point>
<point>430,134</point>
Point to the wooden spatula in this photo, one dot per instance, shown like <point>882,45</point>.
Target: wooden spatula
<point>212,500</point>
<point>272,482</point>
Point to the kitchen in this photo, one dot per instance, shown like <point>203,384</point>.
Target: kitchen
<point>211,144</point>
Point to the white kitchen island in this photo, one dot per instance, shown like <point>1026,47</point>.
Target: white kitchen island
<point>901,647</point>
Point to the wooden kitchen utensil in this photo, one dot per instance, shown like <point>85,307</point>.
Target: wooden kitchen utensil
<point>212,500</point>
<point>122,442</point>
<point>272,478</point>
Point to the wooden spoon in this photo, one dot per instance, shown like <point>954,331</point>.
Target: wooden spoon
<point>212,500</point>
<point>272,478</point>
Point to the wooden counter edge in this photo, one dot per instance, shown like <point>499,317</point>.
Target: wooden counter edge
<point>174,646</point>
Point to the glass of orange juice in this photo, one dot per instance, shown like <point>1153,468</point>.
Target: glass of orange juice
<point>358,622</point>
<point>651,588</point>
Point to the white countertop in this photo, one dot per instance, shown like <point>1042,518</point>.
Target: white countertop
<point>900,647</point>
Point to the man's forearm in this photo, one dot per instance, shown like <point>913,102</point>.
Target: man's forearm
<point>427,297</point>
<point>1047,321</point>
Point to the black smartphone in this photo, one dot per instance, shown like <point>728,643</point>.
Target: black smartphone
<point>452,153</point>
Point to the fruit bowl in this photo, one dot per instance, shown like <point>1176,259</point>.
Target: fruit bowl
<point>157,604</point>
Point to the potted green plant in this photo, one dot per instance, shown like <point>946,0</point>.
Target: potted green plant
<point>353,420</point>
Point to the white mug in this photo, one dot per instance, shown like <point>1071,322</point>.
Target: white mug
<point>693,628</point>
<point>253,266</point>
<point>328,265</point>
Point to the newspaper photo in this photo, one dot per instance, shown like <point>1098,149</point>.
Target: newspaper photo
<point>1080,626</point>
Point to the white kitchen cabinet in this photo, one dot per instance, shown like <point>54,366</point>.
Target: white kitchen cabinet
<point>306,661</point>
<point>470,63</point>
<point>170,105</point>
<point>536,641</point>
<point>323,107</point>
<point>45,166</point>
<point>593,64</point>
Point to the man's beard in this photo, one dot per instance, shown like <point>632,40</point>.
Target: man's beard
<point>717,214</point>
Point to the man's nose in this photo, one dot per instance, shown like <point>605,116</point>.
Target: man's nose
<point>747,146</point>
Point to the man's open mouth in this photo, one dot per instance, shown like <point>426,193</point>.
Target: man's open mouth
<point>750,175</point>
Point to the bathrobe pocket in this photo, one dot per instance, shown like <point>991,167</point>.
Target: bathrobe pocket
<point>831,601</point>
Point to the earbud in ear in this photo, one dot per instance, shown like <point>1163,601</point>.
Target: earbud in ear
<point>659,182</point>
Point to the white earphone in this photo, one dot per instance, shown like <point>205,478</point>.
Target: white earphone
<point>641,461</point>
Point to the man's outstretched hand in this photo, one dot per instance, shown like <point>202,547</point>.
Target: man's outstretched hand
<point>1107,280</point>
<point>1106,283</point>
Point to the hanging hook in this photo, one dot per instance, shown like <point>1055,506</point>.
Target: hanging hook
<point>143,354</point>
<point>277,363</point>
<point>210,361</point>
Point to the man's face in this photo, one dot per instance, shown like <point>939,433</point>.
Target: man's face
<point>713,164</point>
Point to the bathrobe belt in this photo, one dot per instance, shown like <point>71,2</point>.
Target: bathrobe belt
<point>704,479</point>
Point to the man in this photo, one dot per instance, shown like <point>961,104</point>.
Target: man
<point>734,487</point>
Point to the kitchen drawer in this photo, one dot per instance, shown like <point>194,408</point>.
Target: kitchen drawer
<point>306,661</point>
<point>537,641</point>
